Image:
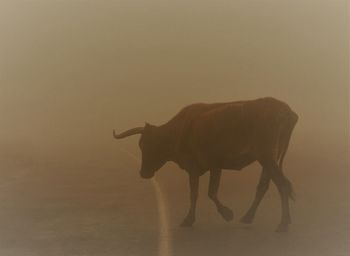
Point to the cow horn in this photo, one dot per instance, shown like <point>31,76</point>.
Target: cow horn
<point>127,133</point>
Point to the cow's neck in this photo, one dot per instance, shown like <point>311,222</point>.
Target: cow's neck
<point>167,139</point>
<point>171,137</point>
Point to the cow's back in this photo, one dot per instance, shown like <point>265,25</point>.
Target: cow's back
<point>232,133</point>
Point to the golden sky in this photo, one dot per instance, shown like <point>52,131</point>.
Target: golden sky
<point>70,71</point>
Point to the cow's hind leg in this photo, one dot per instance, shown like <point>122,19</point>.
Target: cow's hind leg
<point>190,218</point>
<point>260,192</point>
<point>214,183</point>
<point>285,191</point>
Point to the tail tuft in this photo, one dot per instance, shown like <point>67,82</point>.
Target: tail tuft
<point>290,190</point>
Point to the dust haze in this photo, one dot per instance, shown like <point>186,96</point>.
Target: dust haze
<point>71,71</point>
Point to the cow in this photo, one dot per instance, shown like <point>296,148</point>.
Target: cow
<point>231,135</point>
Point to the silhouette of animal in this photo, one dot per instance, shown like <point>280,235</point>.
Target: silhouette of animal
<point>211,137</point>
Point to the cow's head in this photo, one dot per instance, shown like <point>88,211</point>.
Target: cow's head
<point>153,148</point>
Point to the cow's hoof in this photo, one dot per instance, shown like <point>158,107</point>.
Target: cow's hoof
<point>226,213</point>
<point>187,222</point>
<point>247,219</point>
<point>282,228</point>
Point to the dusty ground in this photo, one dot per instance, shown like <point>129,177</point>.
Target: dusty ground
<point>82,209</point>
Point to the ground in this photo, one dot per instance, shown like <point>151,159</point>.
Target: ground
<point>97,209</point>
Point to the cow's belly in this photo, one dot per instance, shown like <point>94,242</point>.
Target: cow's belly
<point>236,162</point>
<point>232,153</point>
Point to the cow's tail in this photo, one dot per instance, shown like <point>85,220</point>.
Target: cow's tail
<point>285,138</point>
<point>290,190</point>
<point>286,135</point>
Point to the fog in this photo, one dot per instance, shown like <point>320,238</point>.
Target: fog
<point>71,71</point>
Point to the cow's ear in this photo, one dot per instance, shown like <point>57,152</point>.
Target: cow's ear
<point>147,127</point>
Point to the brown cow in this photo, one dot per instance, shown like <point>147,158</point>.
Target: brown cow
<point>212,137</point>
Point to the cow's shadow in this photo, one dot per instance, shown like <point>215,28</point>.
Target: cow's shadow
<point>230,239</point>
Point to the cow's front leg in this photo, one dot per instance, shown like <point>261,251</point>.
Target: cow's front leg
<point>190,218</point>
<point>214,182</point>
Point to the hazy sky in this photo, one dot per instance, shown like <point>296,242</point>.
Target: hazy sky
<point>70,71</point>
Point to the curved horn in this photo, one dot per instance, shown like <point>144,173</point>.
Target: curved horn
<point>127,133</point>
